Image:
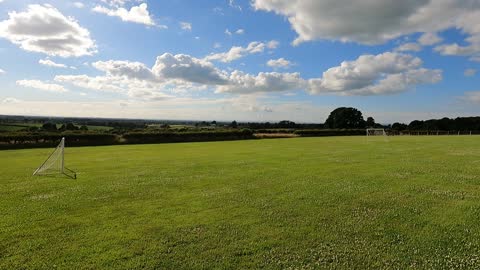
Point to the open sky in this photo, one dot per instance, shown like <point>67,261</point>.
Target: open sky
<point>258,60</point>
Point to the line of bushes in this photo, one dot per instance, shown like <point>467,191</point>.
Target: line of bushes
<point>28,140</point>
<point>25,140</point>
<point>275,130</point>
<point>34,140</point>
<point>189,136</point>
<point>329,132</point>
<point>432,132</point>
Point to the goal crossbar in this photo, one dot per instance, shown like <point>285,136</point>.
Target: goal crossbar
<point>376,132</point>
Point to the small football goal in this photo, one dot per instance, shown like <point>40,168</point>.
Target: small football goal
<point>376,132</point>
<point>55,163</point>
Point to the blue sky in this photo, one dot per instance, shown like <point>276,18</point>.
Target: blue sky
<point>259,60</point>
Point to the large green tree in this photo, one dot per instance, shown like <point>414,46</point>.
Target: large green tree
<point>370,122</point>
<point>345,118</point>
<point>399,126</point>
<point>49,127</point>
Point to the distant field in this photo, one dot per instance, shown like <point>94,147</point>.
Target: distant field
<point>99,128</point>
<point>11,127</point>
<point>336,202</point>
<point>21,126</point>
<point>17,126</point>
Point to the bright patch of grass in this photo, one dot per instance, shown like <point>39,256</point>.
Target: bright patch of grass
<point>339,202</point>
<point>11,128</point>
<point>99,128</point>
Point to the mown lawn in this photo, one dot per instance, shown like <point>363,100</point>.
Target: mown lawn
<point>339,202</point>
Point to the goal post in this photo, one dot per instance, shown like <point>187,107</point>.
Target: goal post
<point>55,163</point>
<point>376,132</point>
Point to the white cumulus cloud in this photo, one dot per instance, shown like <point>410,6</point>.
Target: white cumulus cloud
<point>136,14</point>
<point>50,63</point>
<point>178,73</point>
<point>428,39</point>
<point>50,87</point>
<point>186,26</point>
<point>44,29</point>
<point>381,74</point>
<point>10,99</point>
<point>99,83</point>
<point>455,49</point>
<point>232,4</point>
<point>117,3</point>
<point>409,47</point>
<point>273,44</point>
<point>242,83</point>
<point>279,63</point>
<point>171,73</point>
<point>132,70</point>
<point>374,21</point>
<point>384,73</point>
<point>238,52</point>
<point>187,68</point>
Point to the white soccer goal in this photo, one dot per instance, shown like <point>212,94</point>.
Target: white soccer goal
<point>55,163</point>
<point>376,132</point>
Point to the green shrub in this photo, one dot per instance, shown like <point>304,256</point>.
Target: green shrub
<point>187,136</point>
<point>28,140</point>
<point>329,132</point>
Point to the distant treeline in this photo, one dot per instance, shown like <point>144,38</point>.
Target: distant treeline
<point>340,118</point>
<point>343,121</point>
<point>444,124</point>
<point>80,121</point>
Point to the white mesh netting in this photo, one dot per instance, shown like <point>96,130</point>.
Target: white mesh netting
<point>54,163</point>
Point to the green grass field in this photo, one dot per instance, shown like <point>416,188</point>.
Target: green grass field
<point>99,128</point>
<point>339,202</point>
<point>12,127</point>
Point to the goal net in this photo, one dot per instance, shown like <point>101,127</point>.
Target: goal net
<point>55,163</point>
<point>376,132</point>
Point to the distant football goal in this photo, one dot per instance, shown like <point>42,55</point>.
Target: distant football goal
<point>55,163</point>
<point>376,132</point>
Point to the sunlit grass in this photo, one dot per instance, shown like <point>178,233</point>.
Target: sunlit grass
<point>339,202</point>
